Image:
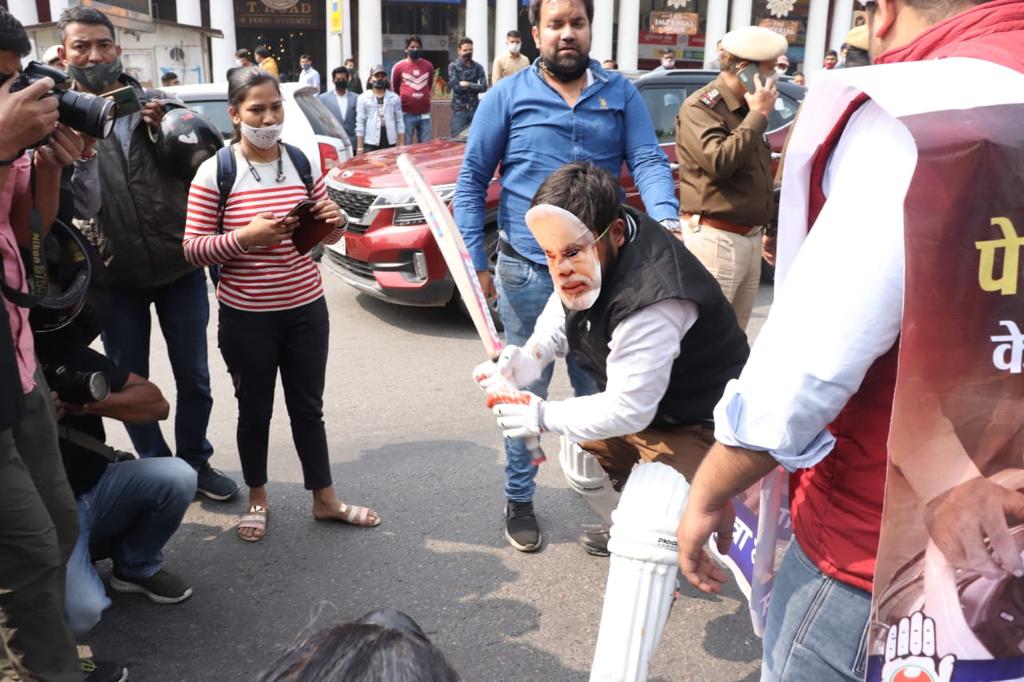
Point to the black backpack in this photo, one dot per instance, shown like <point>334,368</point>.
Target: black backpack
<point>227,171</point>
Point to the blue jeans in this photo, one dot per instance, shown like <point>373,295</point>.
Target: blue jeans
<point>524,288</point>
<point>416,123</point>
<point>135,508</point>
<point>462,116</point>
<point>183,308</point>
<point>817,626</point>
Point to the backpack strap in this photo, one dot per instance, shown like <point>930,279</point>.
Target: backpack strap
<point>301,163</point>
<point>226,172</point>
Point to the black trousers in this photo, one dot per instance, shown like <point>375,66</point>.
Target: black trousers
<point>375,147</point>
<point>255,345</point>
<point>38,530</point>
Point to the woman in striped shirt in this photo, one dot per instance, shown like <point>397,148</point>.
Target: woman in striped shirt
<point>273,316</point>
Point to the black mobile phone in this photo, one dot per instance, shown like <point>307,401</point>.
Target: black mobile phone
<point>747,76</point>
<point>126,100</point>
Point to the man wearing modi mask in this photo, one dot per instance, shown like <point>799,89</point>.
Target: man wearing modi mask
<point>642,316</point>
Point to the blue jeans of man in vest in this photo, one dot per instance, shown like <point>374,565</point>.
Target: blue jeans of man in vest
<point>183,308</point>
<point>524,288</point>
<point>817,626</point>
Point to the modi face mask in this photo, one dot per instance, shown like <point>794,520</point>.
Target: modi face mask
<point>571,250</point>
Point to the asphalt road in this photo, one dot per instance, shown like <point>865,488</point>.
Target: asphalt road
<point>410,436</point>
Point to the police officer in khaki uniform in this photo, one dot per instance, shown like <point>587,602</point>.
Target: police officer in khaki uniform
<point>725,177</point>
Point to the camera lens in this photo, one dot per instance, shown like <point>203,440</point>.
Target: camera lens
<point>86,113</point>
<point>98,385</point>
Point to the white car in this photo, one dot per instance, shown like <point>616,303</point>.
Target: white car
<point>307,122</point>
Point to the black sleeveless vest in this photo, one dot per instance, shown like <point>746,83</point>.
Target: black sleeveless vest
<point>652,267</point>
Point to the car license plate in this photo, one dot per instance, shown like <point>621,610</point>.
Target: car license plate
<point>342,246</point>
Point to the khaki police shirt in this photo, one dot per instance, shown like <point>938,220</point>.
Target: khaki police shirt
<point>724,158</point>
<point>506,65</point>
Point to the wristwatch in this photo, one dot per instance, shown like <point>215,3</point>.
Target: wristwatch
<point>672,225</point>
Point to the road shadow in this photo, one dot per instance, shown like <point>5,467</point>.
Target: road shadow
<point>448,322</point>
<point>434,557</point>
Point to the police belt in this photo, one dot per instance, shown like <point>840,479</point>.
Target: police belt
<point>722,224</point>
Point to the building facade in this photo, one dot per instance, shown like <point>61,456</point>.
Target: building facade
<point>198,38</point>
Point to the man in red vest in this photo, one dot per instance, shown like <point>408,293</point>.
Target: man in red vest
<point>817,393</point>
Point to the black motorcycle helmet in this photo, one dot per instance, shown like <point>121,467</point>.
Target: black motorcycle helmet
<point>186,139</point>
<point>70,269</point>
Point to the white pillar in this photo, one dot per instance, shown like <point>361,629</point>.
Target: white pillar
<point>371,48</point>
<point>842,20</point>
<point>222,50</point>
<point>629,34</point>
<point>56,7</point>
<point>506,18</point>
<point>718,16</point>
<point>476,29</point>
<point>817,26</point>
<point>346,30</point>
<point>604,25</point>
<point>190,13</point>
<point>25,11</point>
<point>742,13</point>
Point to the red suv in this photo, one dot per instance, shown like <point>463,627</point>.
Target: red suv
<point>388,251</point>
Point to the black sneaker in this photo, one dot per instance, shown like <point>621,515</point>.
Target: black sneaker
<point>161,587</point>
<point>595,539</point>
<point>521,529</point>
<point>214,484</point>
<point>102,671</point>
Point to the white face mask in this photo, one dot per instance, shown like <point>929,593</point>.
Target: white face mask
<point>514,48</point>
<point>265,137</point>
<point>238,62</point>
<point>565,238</point>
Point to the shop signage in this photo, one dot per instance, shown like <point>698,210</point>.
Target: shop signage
<point>334,17</point>
<point>260,13</point>
<point>678,23</point>
<point>788,29</point>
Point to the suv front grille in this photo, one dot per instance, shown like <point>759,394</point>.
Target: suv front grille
<point>355,204</point>
<point>356,267</point>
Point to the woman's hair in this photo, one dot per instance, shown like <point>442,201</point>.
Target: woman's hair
<point>241,81</point>
<point>364,652</point>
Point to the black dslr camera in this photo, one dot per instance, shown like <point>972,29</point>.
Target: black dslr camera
<point>78,388</point>
<point>81,111</point>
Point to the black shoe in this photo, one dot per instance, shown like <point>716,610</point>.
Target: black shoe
<point>102,671</point>
<point>521,529</point>
<point>214,484</point>
<point>595,539</point>
<point>162,587</point>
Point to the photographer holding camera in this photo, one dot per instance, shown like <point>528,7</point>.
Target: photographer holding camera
<point>38,519</point>
<point>127,508</point>
<point>138,209</point>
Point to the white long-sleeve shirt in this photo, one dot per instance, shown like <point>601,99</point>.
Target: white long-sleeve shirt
<point>642,349</point>
<point>840,307</point>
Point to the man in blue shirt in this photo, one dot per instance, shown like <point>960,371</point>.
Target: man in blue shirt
<point>564,108</point>
<point>467,80</point>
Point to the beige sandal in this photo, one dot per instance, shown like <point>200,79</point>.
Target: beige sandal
<point>256,519</point>
<point>354,515</point>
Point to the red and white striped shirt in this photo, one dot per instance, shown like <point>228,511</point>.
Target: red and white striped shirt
<point>264,278</point>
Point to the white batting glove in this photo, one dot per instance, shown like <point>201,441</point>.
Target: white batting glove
<point>484,374</point>
<point>519,416</point>
<point>522,367</point>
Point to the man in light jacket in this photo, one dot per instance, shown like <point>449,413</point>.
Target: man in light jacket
<point>379,120</point>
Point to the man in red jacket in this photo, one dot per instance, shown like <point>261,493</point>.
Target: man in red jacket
<point>817,393</point>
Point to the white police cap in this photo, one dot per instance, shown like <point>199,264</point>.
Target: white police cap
<point>754,44</point>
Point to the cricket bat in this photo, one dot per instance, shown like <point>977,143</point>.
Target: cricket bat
<point>453,249</point>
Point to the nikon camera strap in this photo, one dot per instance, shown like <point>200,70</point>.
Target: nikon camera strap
<point>87,442</point>
<point>37,275</point>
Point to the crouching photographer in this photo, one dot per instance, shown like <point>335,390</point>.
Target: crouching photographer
<point>128,508</point>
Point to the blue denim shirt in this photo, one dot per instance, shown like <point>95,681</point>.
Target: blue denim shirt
<point>527,127</point>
